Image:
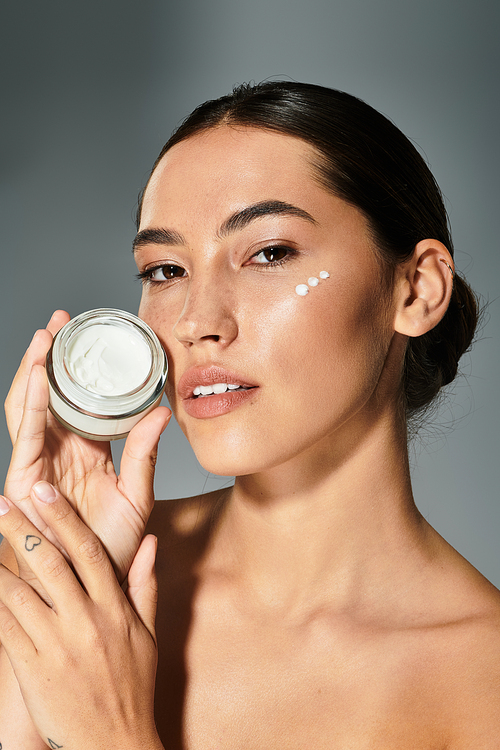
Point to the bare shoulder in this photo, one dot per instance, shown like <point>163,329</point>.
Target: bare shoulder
<point>473,682</point>
<point>445,642</point>
<point>468,649</point>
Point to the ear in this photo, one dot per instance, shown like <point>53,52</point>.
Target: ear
<point>423,288</point>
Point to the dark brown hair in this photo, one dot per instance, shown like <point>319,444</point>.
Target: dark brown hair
<point>368,162</point>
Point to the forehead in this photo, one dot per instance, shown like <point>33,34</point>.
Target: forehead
<point>225,168</point>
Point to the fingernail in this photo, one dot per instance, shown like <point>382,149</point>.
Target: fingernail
<point>44,492</point>
<point>4,506</point>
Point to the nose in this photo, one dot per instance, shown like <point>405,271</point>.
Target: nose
<point>208,315</point>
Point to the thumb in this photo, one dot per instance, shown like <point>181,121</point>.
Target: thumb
<point>142,590</point>
<point>139,458</point>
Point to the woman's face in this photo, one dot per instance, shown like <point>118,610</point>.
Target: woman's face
<point>232,221</point>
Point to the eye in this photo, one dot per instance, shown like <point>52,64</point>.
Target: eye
<point>273,256</point>
<point>157,274</point>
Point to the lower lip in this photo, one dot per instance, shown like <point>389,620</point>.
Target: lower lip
<point>205,407</point>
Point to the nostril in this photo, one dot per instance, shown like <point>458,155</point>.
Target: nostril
<point>211,337</point>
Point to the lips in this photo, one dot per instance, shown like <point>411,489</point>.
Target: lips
<point>211,391</point>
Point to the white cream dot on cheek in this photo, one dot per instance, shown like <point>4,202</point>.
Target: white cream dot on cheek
<point>302,290</point>
<point>312,281</point>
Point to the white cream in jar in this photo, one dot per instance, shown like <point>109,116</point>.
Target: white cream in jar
<point>106,370</point>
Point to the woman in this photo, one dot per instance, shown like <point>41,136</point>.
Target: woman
<point>297,267</point>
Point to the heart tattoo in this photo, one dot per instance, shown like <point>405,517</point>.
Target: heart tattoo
<point>31,542</point>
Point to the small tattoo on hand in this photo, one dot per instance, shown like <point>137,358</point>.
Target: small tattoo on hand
<point>52,744</point>
<point>29,545</point>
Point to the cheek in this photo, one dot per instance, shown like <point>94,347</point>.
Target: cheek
<point>275,324</point>
<point>151,313</point>
<point>332,342</point>
<point>161,320</point>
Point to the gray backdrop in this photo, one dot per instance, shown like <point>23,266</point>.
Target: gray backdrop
<point>91,90</point>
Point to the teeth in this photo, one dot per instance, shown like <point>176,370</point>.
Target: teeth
<point>209,390</point>
<point>220,387</point>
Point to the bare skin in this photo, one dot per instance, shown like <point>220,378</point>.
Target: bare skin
<point>311,605</point>
<point>321,610</point>
<point>403,656</point>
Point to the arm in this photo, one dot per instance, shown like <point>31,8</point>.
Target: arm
<point>86,665</point>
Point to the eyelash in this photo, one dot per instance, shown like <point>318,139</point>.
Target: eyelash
<point>290,253</point>
<point>146,277</point>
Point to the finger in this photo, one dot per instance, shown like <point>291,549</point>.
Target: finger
<point>35,354</point>
<point>43,558</point>
<point>21,612</point>
<point>138,461</point>
<point>87,554</point>
<point>13,637</point>
<point>14,403</point>
<point>142,591</point>
<point>31,433</point>
<point>58,320</point>
<point>24,469</point>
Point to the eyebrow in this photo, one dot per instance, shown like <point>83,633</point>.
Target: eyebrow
<point>237,221</point>
<point>157,237</point>
<point>240,219</point>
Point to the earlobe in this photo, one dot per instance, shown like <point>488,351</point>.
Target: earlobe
<point>423,288</point>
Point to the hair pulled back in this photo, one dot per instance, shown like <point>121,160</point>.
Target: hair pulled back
<point>366,160</point>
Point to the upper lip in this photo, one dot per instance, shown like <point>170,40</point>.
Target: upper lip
<point>209,375</point>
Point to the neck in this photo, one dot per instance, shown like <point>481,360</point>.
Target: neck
<point>333,520</point>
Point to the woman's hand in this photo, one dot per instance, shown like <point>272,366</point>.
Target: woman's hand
<point>115,508</point>
<point>86,666</point>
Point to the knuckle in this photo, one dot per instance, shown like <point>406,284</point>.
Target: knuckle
<point>10,399</point>
<point>67,659</point>
<point>18,596</point>
<point>94,638</point>
<point>91,551</point>
<point>61,513</point>
<point>52,564</point>
<point>29,434</point>
<point>17,522</point>
<point>7,402</point>
<point>8,626</point>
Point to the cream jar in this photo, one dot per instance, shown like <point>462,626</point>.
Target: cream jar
<point>106,370</point>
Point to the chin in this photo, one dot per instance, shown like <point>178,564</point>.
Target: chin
<point>231,454</point>
<point>226,464</point>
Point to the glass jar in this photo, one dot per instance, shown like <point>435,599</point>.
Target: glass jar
<point>106,370</point>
